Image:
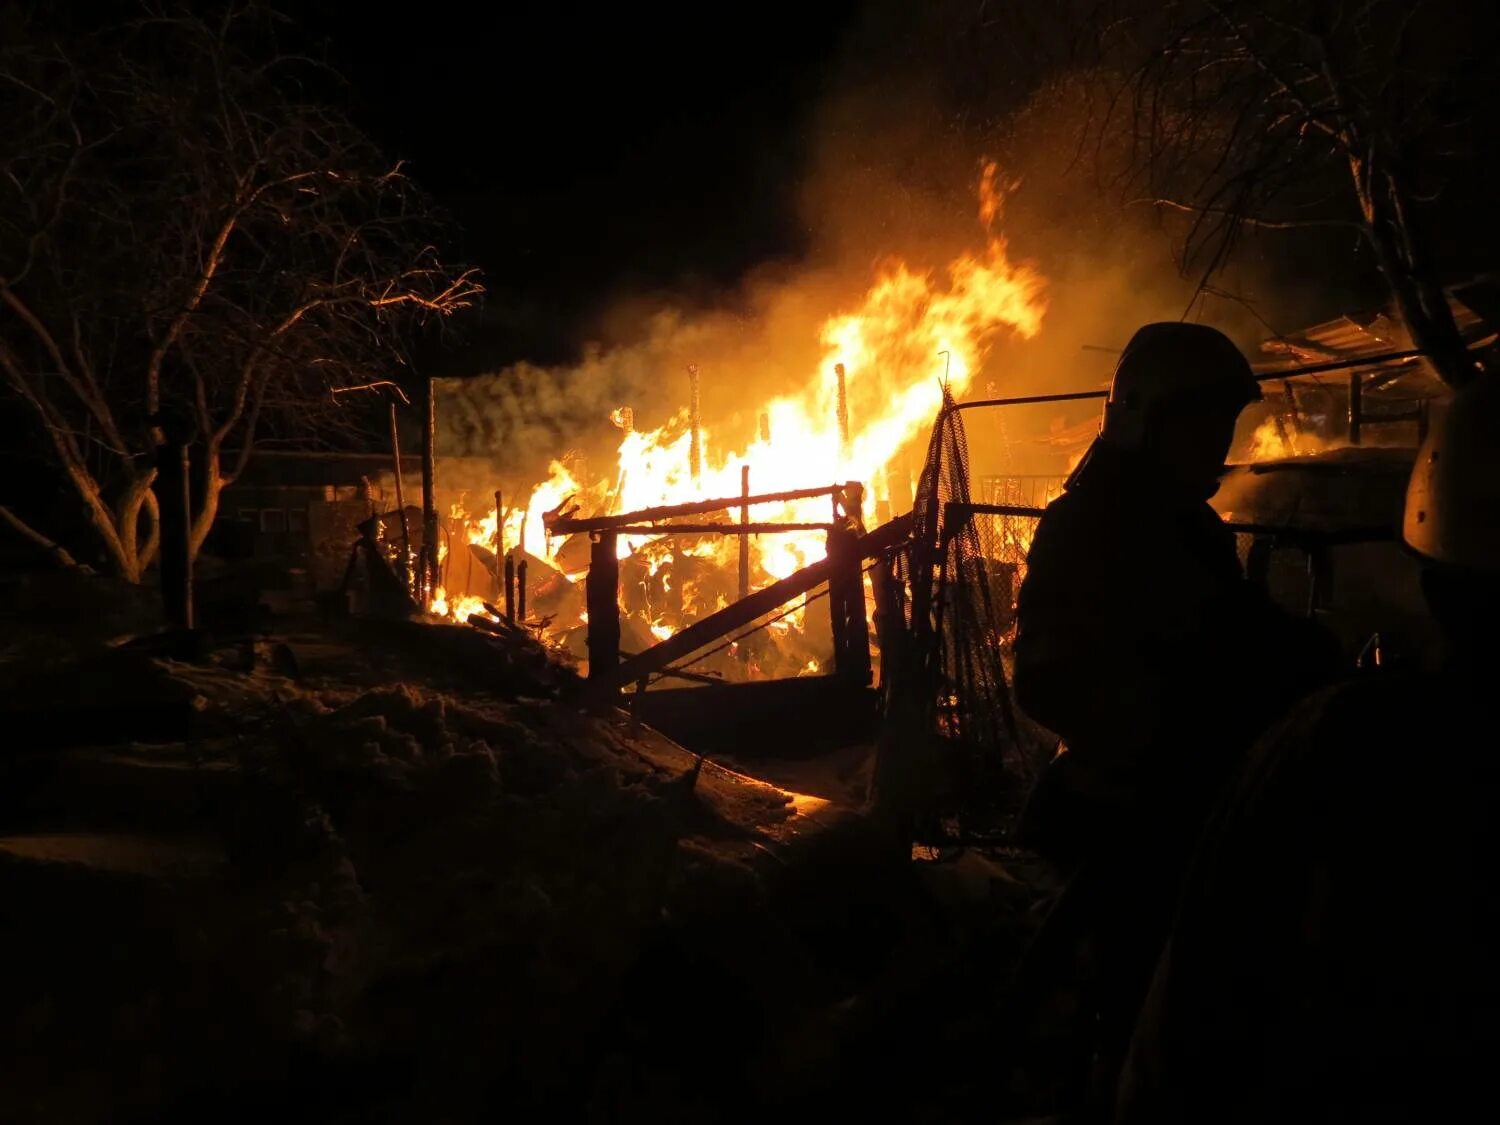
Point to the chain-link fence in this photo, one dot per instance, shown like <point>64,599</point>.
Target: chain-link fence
<point>1024,490</point>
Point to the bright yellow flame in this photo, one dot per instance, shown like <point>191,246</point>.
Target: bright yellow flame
<point>1273,442</point>
<point>911,332</point>
<point>460,608</point>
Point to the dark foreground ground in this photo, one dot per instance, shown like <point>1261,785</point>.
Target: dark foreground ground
<point>364,872</point>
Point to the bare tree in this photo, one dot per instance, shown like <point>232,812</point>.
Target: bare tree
<point>189,231</point>
<point>1288,114</point>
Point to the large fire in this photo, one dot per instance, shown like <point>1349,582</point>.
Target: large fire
<point>910,333</point>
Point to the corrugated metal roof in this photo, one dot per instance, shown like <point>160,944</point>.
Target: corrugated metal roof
<point>1372,333</point>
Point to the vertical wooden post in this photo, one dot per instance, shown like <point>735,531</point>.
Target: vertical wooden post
<point>510,587</point>
<point>404,570</point>
<point>430,574</point>
<point>602,598</point>
<point>843,412</point>
<point>846,596</point>
<point>695,420</point>
<point>854,504</point>
<point>521,590</point>
<point>1291,407</point>
<point>744,539</point>
<point>889,623</point>
<point>743,649</point>
<point>499,545</point>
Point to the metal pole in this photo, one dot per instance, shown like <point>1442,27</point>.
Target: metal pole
<point>1362,362</point>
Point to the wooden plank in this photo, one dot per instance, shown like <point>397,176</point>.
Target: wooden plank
<point>846,590</point>
<point>740,529</point>
<point>568,525</point>
<point>741,613</point>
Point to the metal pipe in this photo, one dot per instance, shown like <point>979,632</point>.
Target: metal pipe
<point>1284,373</point>
<point>956,513</point>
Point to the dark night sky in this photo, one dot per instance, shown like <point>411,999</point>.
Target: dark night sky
<point>585,150</point>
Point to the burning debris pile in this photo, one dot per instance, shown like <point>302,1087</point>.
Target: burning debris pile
<point>859,418</point>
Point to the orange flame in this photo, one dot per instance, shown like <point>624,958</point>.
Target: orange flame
<point>911,332</point>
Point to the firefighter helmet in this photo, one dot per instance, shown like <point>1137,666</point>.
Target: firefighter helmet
<point>1174,363</point>
<point>1453,498</point>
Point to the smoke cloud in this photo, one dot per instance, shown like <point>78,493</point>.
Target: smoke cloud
<point>893,167</point>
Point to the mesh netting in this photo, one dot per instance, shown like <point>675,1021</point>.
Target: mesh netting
<point>962,609</point>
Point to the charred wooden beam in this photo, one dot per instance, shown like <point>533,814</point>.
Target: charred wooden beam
<point>566,525</point>
<point>684,674</point>
<point>431,577</point>
<point>890,618</point>
<point>510,587</point>
<point>846,599</point>
<point>404,569</point>
<point>499,545</point>
<point>602,599</point>
<point>843,410</point>
<point>732,617</point>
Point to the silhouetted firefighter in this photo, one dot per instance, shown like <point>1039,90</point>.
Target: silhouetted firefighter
<point>1333,957</point>
<point>1142,645</point>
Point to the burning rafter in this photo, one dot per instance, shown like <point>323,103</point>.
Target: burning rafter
<point>563,525</point>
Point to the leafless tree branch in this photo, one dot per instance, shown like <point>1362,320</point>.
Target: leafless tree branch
<point>184,229</point>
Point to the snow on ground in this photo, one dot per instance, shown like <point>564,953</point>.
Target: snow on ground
<point>379,872</point>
